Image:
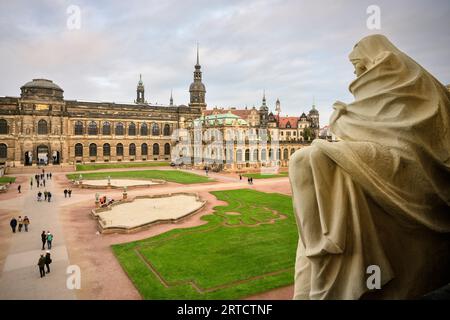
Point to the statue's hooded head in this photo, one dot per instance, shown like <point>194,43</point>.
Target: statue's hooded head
<point>368,51</point>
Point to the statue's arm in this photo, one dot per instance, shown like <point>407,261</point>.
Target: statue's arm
<point>340,108</point>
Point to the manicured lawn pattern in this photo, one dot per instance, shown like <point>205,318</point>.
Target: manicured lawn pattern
<point>167,175</point>
<point>99,166</point>
<point>230,257</point>
<point>265,176</point>
<point>6,179</point>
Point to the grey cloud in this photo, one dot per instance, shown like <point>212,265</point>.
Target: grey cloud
<point>293,49</point>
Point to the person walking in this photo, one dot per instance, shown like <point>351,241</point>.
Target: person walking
<point>19,187</point>
<point>43,181</point>
<point>41,264</point>
<point>49,240</point>
<point>48,260</point>
<point>20,222</point>
<point>240,177</point>
<point>39,196</point>
<point>50,176</point>
<point>13,224</point>
<point>26,222</point>
<point>45,195</point>
<point>43,239</point>
<point>65,193</point>
<point>31,183</point>
<point>49,196</point>
<point>69,192</point>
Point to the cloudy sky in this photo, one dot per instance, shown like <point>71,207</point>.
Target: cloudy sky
<point>295,50</point>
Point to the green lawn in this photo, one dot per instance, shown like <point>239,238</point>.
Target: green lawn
<point>230,257</point>
<point>265,176</point>
<point>5,179</point>
<point>167,175</point>
<point>98,166</point>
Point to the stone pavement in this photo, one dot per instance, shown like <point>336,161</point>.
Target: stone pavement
<point>19,278</point>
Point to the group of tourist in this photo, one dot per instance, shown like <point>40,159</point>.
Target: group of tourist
<point>249,180</point>
<point>67,192</point>
<point>22,223</point>
<point>40,179</point>
<point>47,196</point>
<point>44,261</point>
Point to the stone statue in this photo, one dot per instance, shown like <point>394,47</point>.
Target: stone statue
<point>109,180</point>
<point>378,201</point>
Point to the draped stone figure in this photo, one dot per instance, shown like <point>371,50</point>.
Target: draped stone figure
<point>381,195</point>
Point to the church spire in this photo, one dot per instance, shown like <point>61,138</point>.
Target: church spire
<point>197,88</point>
<point>198,59</point>
<point>171,98</point>
<point>140,91</point>
<point>278,107</point>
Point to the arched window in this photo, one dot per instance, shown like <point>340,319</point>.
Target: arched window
<point>239,155</point>
<point>144,149</point>
<point>144,129</point>
<point>92,150</point>
<point>42,127</point>
<point>78,150</point>
<point>271,154</point>
<point>155,149</point>
<point>3,150</point>
<point>167,149</point>
<point>92,128</point>
<point>279,154</point>
<point>3,126</point>
<point>132,129</point>
<point>155,129</point>
<point>229,154</point>
<point>106,129</point>
<point>106,149</point>
<point>285,154</point>
<point>263,154</point>
<point>166,130</point>
<point>247,155</point>
<point>255,155</point>
<point>119,149</point>
<point>78,128</point>
<point>119,129</point>
<point>132,149</point>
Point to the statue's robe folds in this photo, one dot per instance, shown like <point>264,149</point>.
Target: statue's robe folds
<point>381,195</point>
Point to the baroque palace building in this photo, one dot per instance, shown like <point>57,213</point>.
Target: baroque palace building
<point>41,127</point>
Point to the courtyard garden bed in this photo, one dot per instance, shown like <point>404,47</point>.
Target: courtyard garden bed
<point>246,247</point>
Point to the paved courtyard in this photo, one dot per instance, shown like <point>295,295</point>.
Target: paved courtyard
<point>76,241</point>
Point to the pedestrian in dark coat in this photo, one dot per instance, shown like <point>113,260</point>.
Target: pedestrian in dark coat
<point>44,239</point>
<point>48,260</point>
<point>65,193</point>
<point>41,264</point>
<point>19,187</point>
<point>69,192</point>
<point>49,196</point>
<point>13,224</point>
